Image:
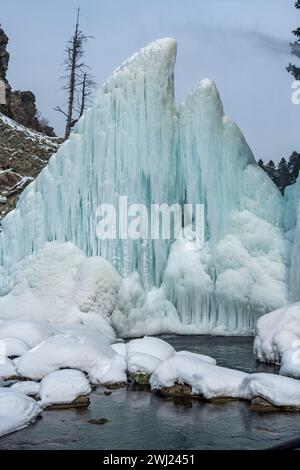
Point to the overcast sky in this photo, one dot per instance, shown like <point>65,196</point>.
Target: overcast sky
<point>242,45</point>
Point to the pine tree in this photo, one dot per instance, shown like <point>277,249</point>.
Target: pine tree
<point>270,169</point>
<point>295,46</point>
<point>294,166</point>
<point>283,175</point>
<point>260,161</point>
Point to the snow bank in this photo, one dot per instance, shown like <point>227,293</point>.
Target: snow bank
<point>276,333</point>
<point>290,361</point>
<point>16,412</point>
<point>58,284</point>
<point>207,380</point>
<point>280,391</point>
<point>62,387</point>
<point>84,353</point>
<point>208,359</point>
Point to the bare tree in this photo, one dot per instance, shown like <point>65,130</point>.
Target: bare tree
<point>77,79</point>
<point>87,86</point>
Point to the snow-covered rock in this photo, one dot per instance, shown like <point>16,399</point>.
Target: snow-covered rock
<point>27,387</point>
<point>205,379</point>
<point>277,390</point>
<point>290,361</point>
<point>276,333</point>
<point>7,368</point>
<point>84,353</point>
<point>144,355</point>
<point>13,347</point>
<point>16,412</point>
<point>202,357</point>
<point>62,387</point>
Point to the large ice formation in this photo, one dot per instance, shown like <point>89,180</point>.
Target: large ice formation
<point>135,142</point>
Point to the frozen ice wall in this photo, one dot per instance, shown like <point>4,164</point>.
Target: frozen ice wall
<point>127,145</point>
<point>135,142</point>
<point>292,220</point>
<point>242,270</point>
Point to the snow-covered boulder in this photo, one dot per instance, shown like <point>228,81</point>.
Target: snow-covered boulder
<point>63,387</point>
<point>16,412</point>
<point>30,332</point>
<point>201,378</point>
<point>276,333</point>
<point>290,361</point>
<point>208,359</point>
<point>144,355</point>
<point>277,390</point>
<point>28,388</point>
<point>7,368</point>
<point>13,347</point>
<point>96,358</point>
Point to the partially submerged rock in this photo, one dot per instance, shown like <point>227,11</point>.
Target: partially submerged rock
<point>80,402</point>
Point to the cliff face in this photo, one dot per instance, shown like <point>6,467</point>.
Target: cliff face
<point>20,105</point>
<point>23,154</point>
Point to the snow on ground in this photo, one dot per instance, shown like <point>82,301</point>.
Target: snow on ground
<point>16,411</point>
<point>13,347</point>
<point>30,332</point>
<point>207,380</point>
<point>26,388</point>
<point>7,368</point>
<point>280,391</point>
<point>84,353</point>
<point>276,333</point>
<point>63,386</point>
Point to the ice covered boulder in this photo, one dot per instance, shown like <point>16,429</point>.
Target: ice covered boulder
<point>13,347</point>
<point>85,353</point>
<point>192,376</point>
<point>63,387</point>
<point>277,390</point>
<point>290,361</point>
<point>17,411</point>
<point>30,332</point>
<point>276,333</point>
<point>27,387</point>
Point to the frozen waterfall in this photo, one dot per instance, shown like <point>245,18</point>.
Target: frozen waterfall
<point>134,141</point>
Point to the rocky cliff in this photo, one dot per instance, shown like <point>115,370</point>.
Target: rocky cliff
<point>20,105</point>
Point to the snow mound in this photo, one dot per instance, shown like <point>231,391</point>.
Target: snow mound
<point>26,388</point>
<point>96,358</point>
<point>63,386</point>
<point>280,391</point>
<point>13,347</point>
<point>29,332</point>
<point>290,361</point>
<point>16,412</point>
<point>207,380</point>
<point>276,333</point>
<point>59,284</point>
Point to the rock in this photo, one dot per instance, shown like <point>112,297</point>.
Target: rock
<point>140,379</point>
<point>177,390</point>
<point>98,421</point>
<point>116,385</point>
<point>80,402</point>
<point>107,392</point>
<point>260,404</point>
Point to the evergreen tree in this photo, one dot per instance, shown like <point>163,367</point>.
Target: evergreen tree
<point>260,161</point>
<point>295,46</point>
<point>283,175</point>
<point>294,166</point>
<point>270,169</point>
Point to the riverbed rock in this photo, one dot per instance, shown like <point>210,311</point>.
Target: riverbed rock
<point>80,402</point>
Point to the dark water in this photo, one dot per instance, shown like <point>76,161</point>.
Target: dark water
<point>141,420</point>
